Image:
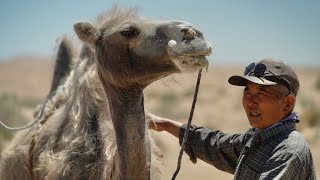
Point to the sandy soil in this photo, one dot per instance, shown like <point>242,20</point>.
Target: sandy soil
<point>219,105</point>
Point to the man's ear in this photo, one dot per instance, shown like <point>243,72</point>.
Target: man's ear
<point>87,32</point>
<point>289,103</point>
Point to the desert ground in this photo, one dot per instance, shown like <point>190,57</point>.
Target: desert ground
<point>25,81</point>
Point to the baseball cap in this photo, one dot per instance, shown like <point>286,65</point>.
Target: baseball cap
<point>268,72</point>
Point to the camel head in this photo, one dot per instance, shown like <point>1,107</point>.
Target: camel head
<point>132,51</point>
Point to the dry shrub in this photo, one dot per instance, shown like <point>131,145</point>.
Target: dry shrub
<point>317,84</point>
<point>10,114</point>
<point>311,117</point>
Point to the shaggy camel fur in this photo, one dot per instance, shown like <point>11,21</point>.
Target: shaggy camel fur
<point>93,122</point>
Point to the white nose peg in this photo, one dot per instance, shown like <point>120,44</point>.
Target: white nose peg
<point>172,43</point>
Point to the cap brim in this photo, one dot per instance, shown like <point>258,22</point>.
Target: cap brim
<point>243,80</point>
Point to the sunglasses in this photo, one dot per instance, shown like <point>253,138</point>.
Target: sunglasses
<point>260,70</point>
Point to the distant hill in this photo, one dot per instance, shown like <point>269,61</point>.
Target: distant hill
<point>26,75</point>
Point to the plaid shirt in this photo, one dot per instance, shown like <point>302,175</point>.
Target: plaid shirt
<point>279,152</point>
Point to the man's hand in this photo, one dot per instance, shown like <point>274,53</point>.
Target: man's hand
<point>162,124</point>
<point>155,122</point>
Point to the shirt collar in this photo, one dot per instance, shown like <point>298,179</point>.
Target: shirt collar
<point>292,117</point>
<point>284,126</point>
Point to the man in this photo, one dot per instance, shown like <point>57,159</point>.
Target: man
<point>272,148</point>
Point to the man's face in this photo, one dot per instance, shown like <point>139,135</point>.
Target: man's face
<point>262,105</point>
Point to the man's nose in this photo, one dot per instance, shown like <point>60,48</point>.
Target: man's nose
<point>252,100</point>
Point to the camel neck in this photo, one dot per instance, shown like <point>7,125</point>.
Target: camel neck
<point>128,117</point>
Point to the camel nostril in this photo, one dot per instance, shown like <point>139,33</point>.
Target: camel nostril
<point>189,33</point>
<point>184,62</point>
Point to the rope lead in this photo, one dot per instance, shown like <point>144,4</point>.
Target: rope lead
<point>185,137</point>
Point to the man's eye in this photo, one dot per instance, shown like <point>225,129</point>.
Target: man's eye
<point>246,94</point>
<point>264,94</point>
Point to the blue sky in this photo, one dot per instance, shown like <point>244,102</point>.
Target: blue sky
<point>240,31</point>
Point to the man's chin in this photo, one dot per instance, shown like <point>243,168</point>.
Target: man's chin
<point>255,123</point>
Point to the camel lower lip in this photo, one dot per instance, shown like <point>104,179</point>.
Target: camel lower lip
<point>198,60</point>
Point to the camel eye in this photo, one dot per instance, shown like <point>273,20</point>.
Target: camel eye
<point>129,32</point>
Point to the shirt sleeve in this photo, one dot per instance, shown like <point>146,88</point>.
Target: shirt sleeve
<point>214,147</point>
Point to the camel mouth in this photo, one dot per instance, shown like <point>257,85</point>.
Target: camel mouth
<point>189,57</point>
<point>191,63</point>
<point>194,60</point>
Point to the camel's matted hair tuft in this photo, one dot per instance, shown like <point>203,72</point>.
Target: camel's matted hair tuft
<point>117,14</point>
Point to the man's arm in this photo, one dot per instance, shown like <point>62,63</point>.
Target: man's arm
<point>214,147</point>
<point>162,124</point>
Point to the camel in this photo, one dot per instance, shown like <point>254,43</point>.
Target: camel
<point>93,121</point>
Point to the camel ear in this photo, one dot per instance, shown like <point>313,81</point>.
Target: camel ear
<point>87,32</point>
